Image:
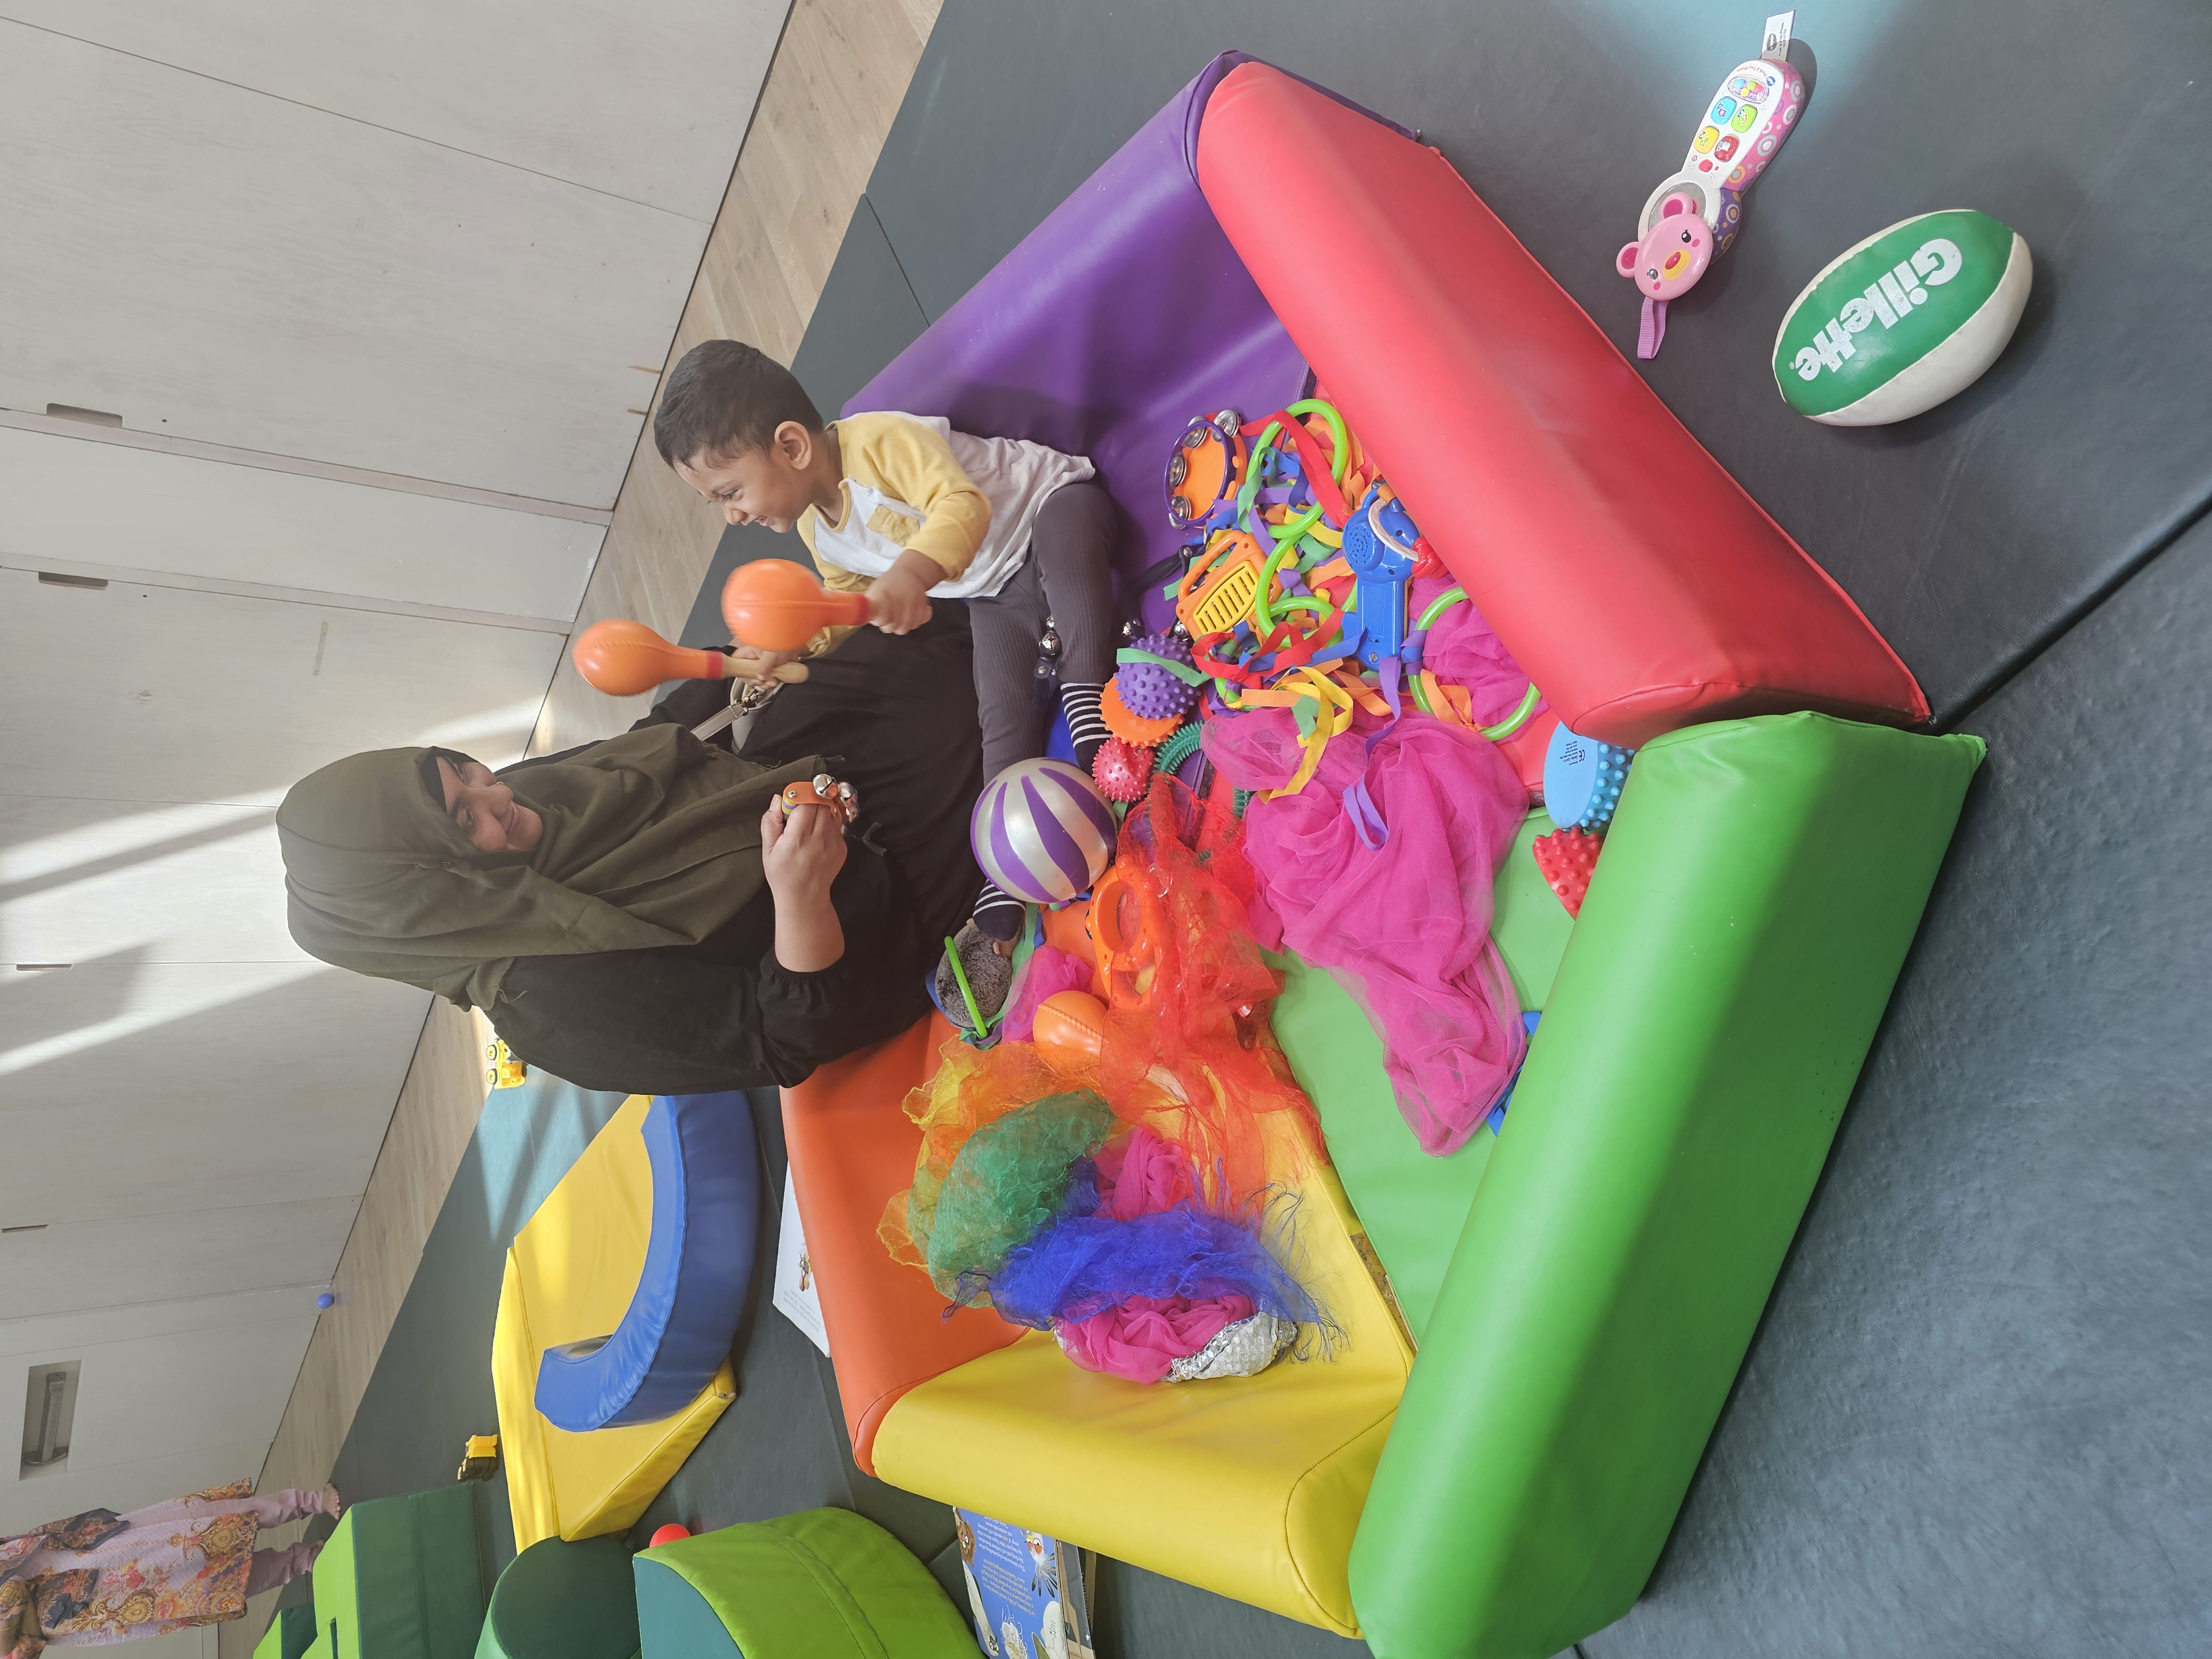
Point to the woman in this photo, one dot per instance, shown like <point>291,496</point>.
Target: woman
<point>637,915</point>
<point>101,1577</point>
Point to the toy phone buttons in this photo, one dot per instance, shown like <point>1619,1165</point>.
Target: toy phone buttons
<point>1705,139</point>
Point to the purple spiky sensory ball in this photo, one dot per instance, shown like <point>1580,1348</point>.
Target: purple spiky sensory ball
<point>1152,692</point>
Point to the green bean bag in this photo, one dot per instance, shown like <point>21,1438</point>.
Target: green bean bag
<point>820,1584</point>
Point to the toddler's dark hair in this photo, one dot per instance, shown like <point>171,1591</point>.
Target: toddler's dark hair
<point>724,399</point>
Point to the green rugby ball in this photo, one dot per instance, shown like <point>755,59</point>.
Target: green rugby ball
<point>1903,320</point>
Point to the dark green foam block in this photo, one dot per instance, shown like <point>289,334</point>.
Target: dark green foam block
<point>563,1600</point>
<point>1759,890</point>
<point>1412,1204</point>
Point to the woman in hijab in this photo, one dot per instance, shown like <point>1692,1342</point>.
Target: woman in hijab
<point>638,915</point>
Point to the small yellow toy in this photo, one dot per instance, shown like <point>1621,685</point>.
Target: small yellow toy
<point>479,1458</point>
<point>504,1071</point>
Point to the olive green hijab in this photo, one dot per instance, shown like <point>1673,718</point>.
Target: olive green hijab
<point>652,838</point>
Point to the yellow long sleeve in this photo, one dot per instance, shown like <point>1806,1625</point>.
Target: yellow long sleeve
<point>910,463</point>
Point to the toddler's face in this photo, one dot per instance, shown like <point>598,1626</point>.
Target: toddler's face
<point>767,486</point>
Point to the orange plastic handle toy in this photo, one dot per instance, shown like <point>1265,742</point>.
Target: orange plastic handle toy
<point>773,605</point>
<point>1127,921</point>
<point>622,657</point>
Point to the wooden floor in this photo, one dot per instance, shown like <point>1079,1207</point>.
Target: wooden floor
<point>838,77</point>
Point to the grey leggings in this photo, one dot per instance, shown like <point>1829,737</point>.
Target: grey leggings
<point>1067,576</point>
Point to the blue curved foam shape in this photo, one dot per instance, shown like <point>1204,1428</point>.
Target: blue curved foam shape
<point>691,1292</point>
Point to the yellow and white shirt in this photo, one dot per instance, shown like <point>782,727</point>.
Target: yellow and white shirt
<point>912,482</point>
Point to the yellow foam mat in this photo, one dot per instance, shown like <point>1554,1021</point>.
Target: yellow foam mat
<point>1248,1486</point>
<point>570,1275</point>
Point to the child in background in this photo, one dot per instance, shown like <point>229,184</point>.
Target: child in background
<point>903,508</point>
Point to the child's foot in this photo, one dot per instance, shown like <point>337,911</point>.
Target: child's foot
<point>333,1505</point>
<point>971,995</point>
<point>1085,725</point>
<point>999,915</point>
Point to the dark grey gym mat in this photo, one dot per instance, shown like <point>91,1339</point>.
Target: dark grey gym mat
<point>1974,1422</point>
<point>1969,535</point>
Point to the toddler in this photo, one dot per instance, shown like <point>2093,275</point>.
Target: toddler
<point>903,508</point>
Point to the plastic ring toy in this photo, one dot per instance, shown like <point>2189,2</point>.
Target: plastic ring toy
<point>1128,944</point>
<point>1441,602</point>
<point>1519,717</point>
<point>1339,460</point>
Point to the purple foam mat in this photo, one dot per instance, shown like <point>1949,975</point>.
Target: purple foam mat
<point>1107,328</point>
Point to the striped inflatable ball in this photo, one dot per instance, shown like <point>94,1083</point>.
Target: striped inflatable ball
<point>1042,831</point>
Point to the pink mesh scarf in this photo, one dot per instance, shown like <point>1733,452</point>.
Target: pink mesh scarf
<point>1404,925</point>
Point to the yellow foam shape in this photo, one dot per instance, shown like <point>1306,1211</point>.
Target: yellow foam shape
<point>1248,1486</point>
<point>570,1274</point>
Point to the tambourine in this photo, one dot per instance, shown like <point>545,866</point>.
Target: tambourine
<point>1208,464</point>
<point>824,791</point>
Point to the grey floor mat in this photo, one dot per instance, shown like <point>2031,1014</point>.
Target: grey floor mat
<point>1974,1420</point>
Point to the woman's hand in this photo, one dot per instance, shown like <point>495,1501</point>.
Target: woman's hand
<point>802,851</point>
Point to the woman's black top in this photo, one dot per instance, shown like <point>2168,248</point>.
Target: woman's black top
<point>898,717</point>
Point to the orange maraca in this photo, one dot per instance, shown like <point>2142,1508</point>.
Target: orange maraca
<point>622,657</point>
<point>773,605</point>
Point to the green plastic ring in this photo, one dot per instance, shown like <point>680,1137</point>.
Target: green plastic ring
<point>1343,455</point>
<point>1514,722</point>
<point>1441,602</point>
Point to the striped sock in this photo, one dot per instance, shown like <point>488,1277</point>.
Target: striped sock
<point>1084,723</point>
<point>998,913</point>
